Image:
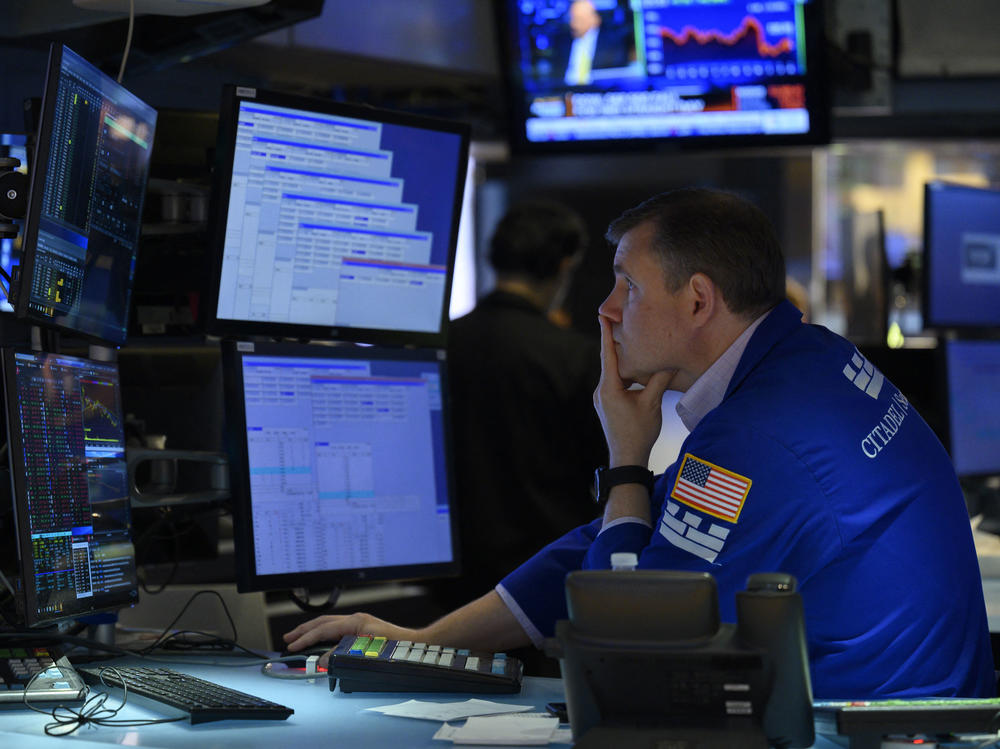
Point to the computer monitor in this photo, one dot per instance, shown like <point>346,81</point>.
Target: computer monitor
<point>973,384</point>
<point>66,448</point>
<point>961,268</point>
<point>600,74</point>
<point>334,221</point>
<point>88,184</point>
<point>340,464</point>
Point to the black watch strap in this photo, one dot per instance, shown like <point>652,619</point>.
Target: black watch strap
<point>606,478</point>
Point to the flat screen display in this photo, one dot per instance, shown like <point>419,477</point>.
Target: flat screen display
<point>88,185</point>
<point>595,73</point>
<point>334,221</point>
<point>974,406</point>
<point>70,487</point>
<point>961,266</point>
<point>340,464</point>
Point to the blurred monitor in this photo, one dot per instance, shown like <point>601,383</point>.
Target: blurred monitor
<point>961,265</point>
<point>334,220</point>
<point>12,145</point>
<point>605,73</point>
<point>340,464</point>
<point>88,183</point>
<point>66,448</point>
<point>865,276</point>
<point>973,382</point>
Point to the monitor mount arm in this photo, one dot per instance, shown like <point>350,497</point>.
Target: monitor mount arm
<point>13,196</point>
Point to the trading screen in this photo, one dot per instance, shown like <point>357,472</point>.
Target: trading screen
<point>99,138</point>
<point>71,484</point>
<point>337,221</point>
<point>346,463</point>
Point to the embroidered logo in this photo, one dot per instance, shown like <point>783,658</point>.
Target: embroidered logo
<point>864,375</point>
<point>683,529</point>
<point>710,488</point>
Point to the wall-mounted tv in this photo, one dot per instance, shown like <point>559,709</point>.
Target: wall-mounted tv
<point>599,74</point>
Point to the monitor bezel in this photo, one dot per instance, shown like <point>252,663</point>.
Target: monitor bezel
<point>818,102</point>
<point>247,578</point>
<point>28,595</point>
<point>942,325</point>
<point>32,219</point>
<point>232,97</point>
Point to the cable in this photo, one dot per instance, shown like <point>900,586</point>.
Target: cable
<point>128,38</point>
<point>314,608</point>
<point>65,720</point>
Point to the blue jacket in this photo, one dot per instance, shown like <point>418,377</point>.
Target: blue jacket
<point>814,465</point>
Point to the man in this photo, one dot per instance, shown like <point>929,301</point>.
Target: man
<point>589,47</point>
<point>802,458</point>
<point>526,439</point>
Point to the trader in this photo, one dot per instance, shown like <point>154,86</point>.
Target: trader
<point>525,436</point>
<point>802,458</point>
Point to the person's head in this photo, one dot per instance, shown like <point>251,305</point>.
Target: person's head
<point>537,241</point>
<point>691,267</point>
<point>583,17</point>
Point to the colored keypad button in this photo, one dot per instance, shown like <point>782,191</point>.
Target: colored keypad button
<point>375,647</point>
<point>359,646</point>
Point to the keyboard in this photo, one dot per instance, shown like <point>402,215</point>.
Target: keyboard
<point>364,663</point>
<point>910,716</point>
<point>199,700</point>
<point>57,680</point>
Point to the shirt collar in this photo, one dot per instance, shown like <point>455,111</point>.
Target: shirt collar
<point>708,390</point>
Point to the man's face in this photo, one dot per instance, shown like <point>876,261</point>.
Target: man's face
<point>582,18</point>
<point>647,323</point>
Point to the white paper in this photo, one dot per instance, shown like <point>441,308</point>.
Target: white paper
<point>517,730</point>
<point>446,711</point>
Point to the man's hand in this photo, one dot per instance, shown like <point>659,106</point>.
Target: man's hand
<point>631,419</point>
<point>331,628</point>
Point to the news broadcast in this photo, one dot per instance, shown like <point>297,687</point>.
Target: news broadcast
<point>614,70</point>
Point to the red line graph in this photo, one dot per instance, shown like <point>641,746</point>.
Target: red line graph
<point>748,25</point>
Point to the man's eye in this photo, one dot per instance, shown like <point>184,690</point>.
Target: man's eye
<point>629,285</point>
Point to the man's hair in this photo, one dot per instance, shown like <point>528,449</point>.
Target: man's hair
<point>727,238</point>
<point>533,238</point>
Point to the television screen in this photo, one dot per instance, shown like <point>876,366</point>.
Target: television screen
<point>71,501</point>
<point>333,220</point>
<point>706,72</point>
<point>340,464</point>
<point>974,406</point>
<point>88,184</point>
<point>961,265</point>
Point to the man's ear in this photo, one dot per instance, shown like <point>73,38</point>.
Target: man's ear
<point>704,296</point>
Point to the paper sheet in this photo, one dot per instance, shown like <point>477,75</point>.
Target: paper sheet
<point>506,730</point>
<point>446,711</point>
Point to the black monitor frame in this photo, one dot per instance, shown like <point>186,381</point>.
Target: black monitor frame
<point>28,598</point>
<point>940,322</point>
<point>247,577</point>
<point>816,85</point>
<point>232,99</point>
<point>39,176</point>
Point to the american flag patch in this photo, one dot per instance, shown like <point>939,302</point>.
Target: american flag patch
<point>710,488</point>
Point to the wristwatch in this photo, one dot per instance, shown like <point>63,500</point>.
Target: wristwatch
<point>606,478</point>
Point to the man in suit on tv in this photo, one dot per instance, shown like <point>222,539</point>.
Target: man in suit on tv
<point>589,46</point>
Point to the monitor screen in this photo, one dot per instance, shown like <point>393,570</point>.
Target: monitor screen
<point>961,256</point>
<point>340,464</point>
<point>334,221</point>
<point>71,503</point>
<point>88,184</point>
<point>591,73</point>
<point>974,406</point>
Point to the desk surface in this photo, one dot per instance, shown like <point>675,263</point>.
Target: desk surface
<point>322,718</point>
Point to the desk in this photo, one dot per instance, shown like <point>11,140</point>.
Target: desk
<point>322,718</point>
